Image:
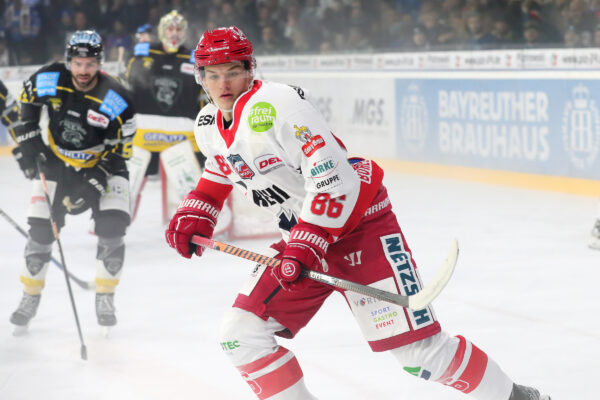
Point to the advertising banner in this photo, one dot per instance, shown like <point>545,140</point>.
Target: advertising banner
<point>359,111</point>
<point>545,126</point>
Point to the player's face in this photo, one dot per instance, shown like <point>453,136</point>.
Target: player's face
<point>85,72</point>
<point>174,33</point>
<point>225,83</point>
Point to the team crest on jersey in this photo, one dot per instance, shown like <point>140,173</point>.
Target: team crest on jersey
<point>240,166</point>
<point>148,61</point>
<point>311,143</point>
<point>166,91</point>
<point>73,132</point>
<point>55,102</point>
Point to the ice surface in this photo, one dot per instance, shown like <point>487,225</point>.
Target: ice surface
<point>525,290</point>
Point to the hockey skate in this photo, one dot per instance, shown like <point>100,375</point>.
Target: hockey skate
<point>26,310</point>
<point>595,236</point>
<point>105,311</point>
<point>521,392</point>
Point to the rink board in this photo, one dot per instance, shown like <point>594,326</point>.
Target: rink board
<point>527,128</point>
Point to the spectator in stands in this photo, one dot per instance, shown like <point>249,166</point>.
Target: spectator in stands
<point>271,43</point>
<point>22,25</point>
<point>572,37</point>
<point>326,47</point>
<point>310,22</point>
<point>393,31</point>
<point>419,39</point>
<point>532,34</point>
<point>7,58</point>
<point>144,34</point>
<point>80,21</point>
<point>596,38</point>
<point>118,38</point>
<point>358,40</point>
<point>479,38</point>
<point>501,30</point>
<point>579,16</point>
<point>103,17</point>
<point>136,12</point>
<point>458,25</point>
<point>429,20</point>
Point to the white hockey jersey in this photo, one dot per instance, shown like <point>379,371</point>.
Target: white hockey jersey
<point>280,152</point>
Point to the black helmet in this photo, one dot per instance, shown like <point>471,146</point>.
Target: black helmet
<point>85,44</point>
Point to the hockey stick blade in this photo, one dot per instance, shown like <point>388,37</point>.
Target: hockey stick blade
<point>430,291</point>
<point>417,301</point>
<point>80,282</point>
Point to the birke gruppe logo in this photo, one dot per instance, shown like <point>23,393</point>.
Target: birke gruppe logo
<point>581,128</point>
<point>413,119</point>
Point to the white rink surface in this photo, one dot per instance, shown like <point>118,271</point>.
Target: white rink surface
<point>525,290</point>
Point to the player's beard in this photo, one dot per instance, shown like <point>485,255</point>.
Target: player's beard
<point>88,83</point>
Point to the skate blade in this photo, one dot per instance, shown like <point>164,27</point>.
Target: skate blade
<point>594,244</point>
<point>20,330</point>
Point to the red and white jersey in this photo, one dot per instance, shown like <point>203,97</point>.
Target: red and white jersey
<point>280,152</point>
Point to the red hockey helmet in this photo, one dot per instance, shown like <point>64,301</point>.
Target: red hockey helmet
<point>223,45</point>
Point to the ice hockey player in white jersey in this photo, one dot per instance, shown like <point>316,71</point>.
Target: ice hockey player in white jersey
<point>268,139</point>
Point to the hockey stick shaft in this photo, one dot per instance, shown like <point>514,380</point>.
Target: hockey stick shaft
<point>80,282</point>
<point>417,301</point>
<point>83,351</point>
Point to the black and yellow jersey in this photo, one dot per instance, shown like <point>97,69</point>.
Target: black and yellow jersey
<point>163,83</point>
<point>9,109</point>
<point>82,125</point>
<point>166,95</point>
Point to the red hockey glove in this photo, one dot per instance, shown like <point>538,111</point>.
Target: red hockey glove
<point>197,215</point>
<point>305,249</point>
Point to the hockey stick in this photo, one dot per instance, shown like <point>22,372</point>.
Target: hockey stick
<point>62,256</point>
<point>416,301</point>
<point>80,282</point>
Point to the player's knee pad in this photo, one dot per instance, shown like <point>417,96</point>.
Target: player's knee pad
<point>37,258</point>
<point>245,337</point>
<point>40,230</point>
<point>109,264</point>
<point>111,223</point>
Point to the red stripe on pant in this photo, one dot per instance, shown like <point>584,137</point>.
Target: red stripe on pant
<point>275,381</point>
<point>472,375</point>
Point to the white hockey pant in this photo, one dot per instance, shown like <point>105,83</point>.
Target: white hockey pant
<point>272,371</point>
<point>455,362</point>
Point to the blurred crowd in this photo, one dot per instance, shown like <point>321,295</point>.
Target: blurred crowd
<point>35,31</point>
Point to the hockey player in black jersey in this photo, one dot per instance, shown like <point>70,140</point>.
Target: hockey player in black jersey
<point>161,78</point>
<point>90,128</point>
<point>9,109</point>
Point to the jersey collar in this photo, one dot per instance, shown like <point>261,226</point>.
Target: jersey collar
<point>228,134</point>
